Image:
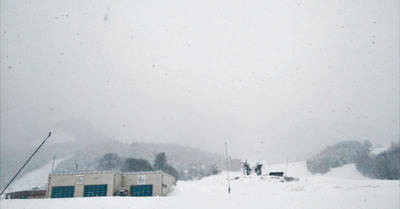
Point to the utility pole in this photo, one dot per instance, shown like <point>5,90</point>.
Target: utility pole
<point>227,167</point>
<point>25,164</point>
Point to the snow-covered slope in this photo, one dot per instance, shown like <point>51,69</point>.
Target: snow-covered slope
<point>340,188</point>
<point>348,171</point>
<point>36,178</point>
<point>378,150</point>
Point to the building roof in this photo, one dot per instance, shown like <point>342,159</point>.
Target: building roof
<point>115,172</point>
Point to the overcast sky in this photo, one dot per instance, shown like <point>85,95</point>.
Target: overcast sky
<point>256,74</point>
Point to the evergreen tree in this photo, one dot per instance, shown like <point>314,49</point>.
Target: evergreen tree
<point>337,155</point>
<point>214,170</point>
<point>109,161</point>
<point>171,171</point>
<point>160,162</point>
<point>365,163</point>
<point>387,164</point>
<point>136,165</point>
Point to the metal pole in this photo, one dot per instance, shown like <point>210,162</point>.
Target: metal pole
<point>25,164</point>
<point>287,160</point>
<point>227,167</point>
<point>52,165</point>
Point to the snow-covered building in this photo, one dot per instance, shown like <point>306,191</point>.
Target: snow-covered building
<point>107,183</point>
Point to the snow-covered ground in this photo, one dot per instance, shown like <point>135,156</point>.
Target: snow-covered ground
<point>343,187</point>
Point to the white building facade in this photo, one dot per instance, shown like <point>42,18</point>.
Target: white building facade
<point>106,183</point>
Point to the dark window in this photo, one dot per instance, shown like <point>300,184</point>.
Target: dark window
<point>95,190</point>
<point>142,190</point>
<point>62,192</point>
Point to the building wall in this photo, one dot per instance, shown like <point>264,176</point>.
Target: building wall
<point>118,181</point>
<point>59,180</point>
<point>160,181</point>
<point>79,180</point>
<point>168,182</point>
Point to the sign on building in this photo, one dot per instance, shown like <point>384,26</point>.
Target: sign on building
<point>141,179</point>
<point>79,180</point>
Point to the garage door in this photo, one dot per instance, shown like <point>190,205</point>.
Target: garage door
<point>62,192</point>
<point>95,190</point>
<point>142,190</point>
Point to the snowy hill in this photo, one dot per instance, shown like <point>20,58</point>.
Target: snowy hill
<point>341,188</point>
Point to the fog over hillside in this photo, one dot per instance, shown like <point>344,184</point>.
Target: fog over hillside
<point>273,79</point>
<point>80,147</point>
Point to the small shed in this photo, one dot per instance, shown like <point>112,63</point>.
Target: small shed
<point>27,194</point>
<point>276,173</point>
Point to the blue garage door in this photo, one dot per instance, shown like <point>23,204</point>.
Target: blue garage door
<point>95,190</point>
<point>62,192</point>
<point>142,190</point>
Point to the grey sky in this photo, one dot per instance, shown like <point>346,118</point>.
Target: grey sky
<point>256,74</point>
